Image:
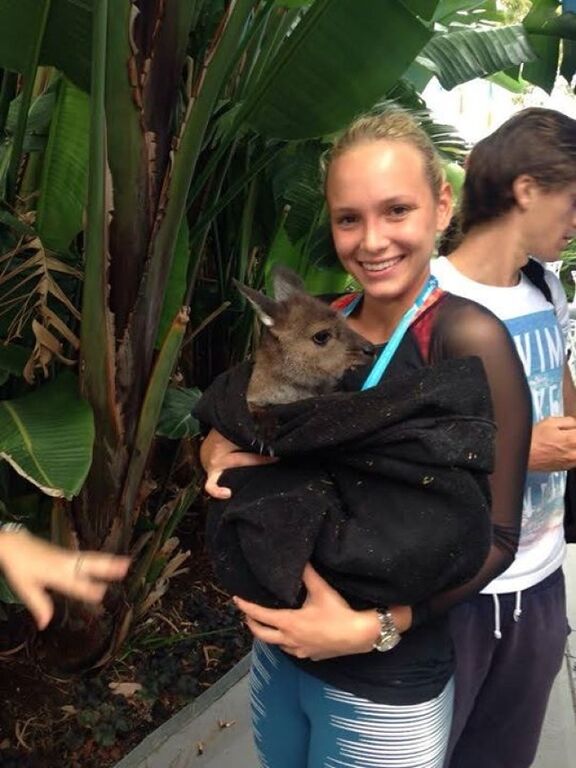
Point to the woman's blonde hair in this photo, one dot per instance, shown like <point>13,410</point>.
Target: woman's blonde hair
<point>393,124</point>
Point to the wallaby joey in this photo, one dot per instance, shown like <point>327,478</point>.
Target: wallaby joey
<point>305,347</point>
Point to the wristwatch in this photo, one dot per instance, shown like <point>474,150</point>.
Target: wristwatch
<point>389,635</point>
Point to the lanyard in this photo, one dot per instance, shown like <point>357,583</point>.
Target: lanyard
<point>387,353</point>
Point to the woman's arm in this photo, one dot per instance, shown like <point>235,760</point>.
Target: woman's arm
<point>470,330</point>
<point>325,627</point>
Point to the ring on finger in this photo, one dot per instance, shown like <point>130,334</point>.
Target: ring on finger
<point>78,565</point>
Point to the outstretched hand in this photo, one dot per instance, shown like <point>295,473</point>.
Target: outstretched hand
<point>325,627</point>
<point>217,454</point>
<point>32,566</point>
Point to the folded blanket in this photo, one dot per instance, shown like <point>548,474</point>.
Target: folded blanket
<point>385,491</point>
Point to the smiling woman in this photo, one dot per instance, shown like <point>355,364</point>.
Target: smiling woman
<point>362,685</point>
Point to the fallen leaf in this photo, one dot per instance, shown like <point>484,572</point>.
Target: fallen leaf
<point>125,689</point>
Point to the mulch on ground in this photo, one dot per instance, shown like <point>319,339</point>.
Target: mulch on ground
<point>191,638</point>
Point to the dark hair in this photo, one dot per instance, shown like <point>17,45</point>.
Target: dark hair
<point>540,143</point>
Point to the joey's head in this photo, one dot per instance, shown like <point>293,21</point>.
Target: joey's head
<point>307,346</point>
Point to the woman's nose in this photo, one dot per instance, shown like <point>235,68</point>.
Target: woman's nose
<point>375,238</point>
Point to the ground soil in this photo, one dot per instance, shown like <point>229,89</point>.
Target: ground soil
<point>190,639</point>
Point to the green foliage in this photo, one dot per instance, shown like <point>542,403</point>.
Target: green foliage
<point>164,155</point>
<point>176,420</point>
<point>99,715</point>
<point>47,436</point>
<point>459,56</point>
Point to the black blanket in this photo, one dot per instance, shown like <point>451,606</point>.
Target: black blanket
<point>384,491</point>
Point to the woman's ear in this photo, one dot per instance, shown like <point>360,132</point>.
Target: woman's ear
<point>525,190</point>
<point>444,206</point>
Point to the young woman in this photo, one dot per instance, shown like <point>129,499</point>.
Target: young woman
<point>332,686</point>
<point>519,199</point>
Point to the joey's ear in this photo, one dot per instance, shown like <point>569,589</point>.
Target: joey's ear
<point>265,307</point>
<point>286,282</point>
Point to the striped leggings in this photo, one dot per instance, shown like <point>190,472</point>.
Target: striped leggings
<point>300,722</point>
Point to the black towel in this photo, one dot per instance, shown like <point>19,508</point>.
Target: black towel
<point>384,491</point>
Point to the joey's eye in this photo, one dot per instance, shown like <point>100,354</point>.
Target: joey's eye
<point>322,338</point>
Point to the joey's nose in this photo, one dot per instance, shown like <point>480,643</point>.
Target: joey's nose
<point>368,349</point>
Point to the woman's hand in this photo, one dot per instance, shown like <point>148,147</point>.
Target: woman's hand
<point>325,627</point>
<point>217,454</point>
<point>32,566</point>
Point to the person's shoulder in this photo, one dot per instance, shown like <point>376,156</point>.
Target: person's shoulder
<point>466,307</point>
<point>460,319</point>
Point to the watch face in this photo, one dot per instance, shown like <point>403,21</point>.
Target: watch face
<point>389,635</point>
<point>388,642</point>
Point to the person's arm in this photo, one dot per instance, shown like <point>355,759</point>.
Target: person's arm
<point>554,438</point>
<point>471,330</point>
<point>325,627</point>
<point>553,445</point>
<point>569,393</point>
<point>33,566</point>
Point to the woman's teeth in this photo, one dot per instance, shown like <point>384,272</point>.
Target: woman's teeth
<point>379,266</point>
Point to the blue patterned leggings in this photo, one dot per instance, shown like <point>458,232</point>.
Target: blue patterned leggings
<point>300,722</point>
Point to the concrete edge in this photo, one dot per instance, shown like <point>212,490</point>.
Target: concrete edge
<point>571,664</point>
<point>178,722</point>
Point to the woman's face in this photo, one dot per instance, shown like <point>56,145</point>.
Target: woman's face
<point>385,217</point>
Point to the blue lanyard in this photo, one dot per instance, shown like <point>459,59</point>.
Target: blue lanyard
<point>387,353</point>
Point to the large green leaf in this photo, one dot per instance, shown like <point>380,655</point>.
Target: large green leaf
<point>176,285</point>
<point>151,409</point>
<point>47,436</point>
<point>63,184</point>
<point>336,63</point>
<point>542,72</point>
<point>424,8</point>
<point>457,57</point>
<point>67,39</point>
<point>37,123</point>
<point>176,419</point>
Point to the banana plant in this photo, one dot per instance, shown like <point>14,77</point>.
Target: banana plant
<point>164,116</point>
<point>148,154</point>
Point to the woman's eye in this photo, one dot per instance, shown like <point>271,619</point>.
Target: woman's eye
<point>322,338</point>
<point>346,221</point>
<point>399,211</point>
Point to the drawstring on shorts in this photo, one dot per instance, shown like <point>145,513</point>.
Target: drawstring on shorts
<point>516,615</point>
<point>518,608</point>
<point>497,630</point>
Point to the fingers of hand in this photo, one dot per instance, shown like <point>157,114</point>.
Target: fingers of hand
<point>272,617</point>
<point>83,588</point>
<point>38,603</point>
<point>95,565</point>
<point>298,653</point>
<point>265,633</point>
